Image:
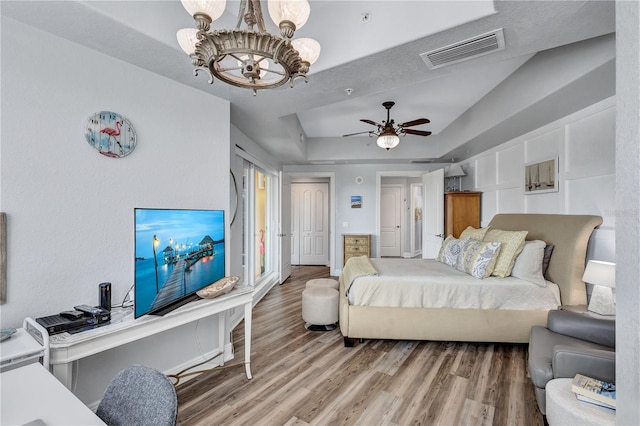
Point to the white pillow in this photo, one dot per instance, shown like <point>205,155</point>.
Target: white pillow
<point>528,265</point>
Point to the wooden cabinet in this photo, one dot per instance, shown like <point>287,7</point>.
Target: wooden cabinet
<point>461,209</point>
<point>355,245</point>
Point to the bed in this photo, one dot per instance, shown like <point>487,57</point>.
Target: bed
<point>568,233</point>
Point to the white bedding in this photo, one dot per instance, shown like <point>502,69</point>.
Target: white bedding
<point>426,283</point>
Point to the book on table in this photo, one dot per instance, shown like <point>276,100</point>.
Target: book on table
<point>594,401</point>
<point>597,390</point>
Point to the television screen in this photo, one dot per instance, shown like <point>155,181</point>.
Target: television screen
<point>177,252</point>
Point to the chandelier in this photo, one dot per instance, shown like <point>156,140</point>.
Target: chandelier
<point>250,58</point>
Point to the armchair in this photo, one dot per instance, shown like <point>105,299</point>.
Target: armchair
<point>572,343</point>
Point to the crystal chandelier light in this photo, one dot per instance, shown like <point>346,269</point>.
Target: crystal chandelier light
<point>253,59</point>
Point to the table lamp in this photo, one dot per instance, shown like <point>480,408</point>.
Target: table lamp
<point>603,277</point>
<point>455,171</point>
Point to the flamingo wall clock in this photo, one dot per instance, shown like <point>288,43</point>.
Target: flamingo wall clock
<point>111,134</point>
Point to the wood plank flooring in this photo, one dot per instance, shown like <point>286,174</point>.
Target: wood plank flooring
<point>303,377</point>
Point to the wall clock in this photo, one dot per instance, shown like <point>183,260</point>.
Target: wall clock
<point>359,180</point>
<point>111,134</point>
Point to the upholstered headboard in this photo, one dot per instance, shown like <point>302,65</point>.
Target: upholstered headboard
<point>570,236</point>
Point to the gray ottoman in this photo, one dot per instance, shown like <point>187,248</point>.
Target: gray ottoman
<point>320,308</point>
<point>323,282</point>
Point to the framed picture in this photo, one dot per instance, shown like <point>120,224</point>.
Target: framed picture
<point>356,201</point>
<point>541,177</point>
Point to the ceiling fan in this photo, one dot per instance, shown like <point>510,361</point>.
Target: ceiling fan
<point>388,134</point>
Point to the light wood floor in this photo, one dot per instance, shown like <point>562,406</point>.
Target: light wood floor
<point>303,377</point>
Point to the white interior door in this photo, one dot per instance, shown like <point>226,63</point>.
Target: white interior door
<point>311,223</point>
<point>390,220</point>
<point>285,226</point>
<point>433,213</point>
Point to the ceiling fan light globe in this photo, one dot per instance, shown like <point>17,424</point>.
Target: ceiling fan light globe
<point>212,8</point>
<point>296,11</point>
<point>387,141</point>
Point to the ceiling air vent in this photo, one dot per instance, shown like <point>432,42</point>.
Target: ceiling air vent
<point>466,49</point>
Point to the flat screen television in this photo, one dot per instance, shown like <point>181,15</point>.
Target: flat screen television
<point>177,252</point>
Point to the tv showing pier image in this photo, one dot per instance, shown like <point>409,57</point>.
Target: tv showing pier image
<point>177,252</point>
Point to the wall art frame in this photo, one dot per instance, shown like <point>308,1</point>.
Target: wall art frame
<point>356,201</point>
<point>541,176</point>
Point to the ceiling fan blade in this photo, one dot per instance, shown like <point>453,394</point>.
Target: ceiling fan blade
<point>416,132</point>
<point>373,123</point>
<point>415,122</point>
<point>353,134</point>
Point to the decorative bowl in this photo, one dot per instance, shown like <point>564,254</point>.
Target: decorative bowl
<point>222,286</point>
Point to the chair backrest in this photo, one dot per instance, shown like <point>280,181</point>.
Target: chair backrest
<point>141,396</point>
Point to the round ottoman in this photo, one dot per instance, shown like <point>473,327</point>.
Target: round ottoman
<point>323,282</point>
<point>320,308</point>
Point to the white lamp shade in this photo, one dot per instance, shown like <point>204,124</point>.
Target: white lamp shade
<point>296,11</point>
<point>308,48</point>
<point>454,170</point>
<point>187,39</point>
<point>388,141</point>
<point>600,273</point>
<point>212,8</point>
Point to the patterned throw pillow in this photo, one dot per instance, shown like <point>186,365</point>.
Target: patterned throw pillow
<point>475,233</point>
<point>528,265</point>
<point>512,244</point>
<point>478,258</point>
<point>449,251</point>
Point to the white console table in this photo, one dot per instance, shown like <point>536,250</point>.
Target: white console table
<point>66,348</point>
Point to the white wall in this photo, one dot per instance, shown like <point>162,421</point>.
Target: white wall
<point>628,212</point>
<point>584,143</point>
<point>70,209</point>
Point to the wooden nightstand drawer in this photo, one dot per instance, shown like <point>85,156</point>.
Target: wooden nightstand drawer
<point>356,250</point>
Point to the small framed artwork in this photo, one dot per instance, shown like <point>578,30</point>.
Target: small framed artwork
<point>356,201</point>
<point>541,177</point>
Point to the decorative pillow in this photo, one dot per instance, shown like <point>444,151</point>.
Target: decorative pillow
<point>528,265</point>
<point>512,244</point>
<point>449,251</point>
<point>476,234</point>
<point>478,258</point>
<point>548,250</point>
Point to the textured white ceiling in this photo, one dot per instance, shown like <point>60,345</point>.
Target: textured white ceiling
<point>378,59</point>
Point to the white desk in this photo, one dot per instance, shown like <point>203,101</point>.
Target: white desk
<point>31,394</point>
<point>66,348</point>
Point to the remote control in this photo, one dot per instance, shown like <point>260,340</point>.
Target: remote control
<point>72,315</point>
<point>91,310</point>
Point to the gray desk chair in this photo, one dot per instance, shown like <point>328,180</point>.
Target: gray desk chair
<point>571,343</point>
<point>139,396</point>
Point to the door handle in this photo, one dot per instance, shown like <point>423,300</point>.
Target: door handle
<point>398,226</point>
<point>439,235</point>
